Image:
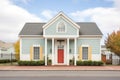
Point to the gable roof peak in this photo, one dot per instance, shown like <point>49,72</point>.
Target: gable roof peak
<point>61,13</point>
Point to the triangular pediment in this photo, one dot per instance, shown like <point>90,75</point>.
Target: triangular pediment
<point>61,15</point>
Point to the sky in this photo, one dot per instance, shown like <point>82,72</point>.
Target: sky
<point>15,13</point>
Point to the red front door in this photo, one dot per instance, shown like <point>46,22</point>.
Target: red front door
<point>60,55</point>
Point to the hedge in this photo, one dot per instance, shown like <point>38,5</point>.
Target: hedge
<point>89,63</point>
<point>7,60</point>
<point>31,63</point>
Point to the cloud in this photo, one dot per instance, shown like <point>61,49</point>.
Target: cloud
<point>48,14</point>
<point>12,19</point>
<point>25,1</point>
<point>117,3</point>
<point>107,19</point>
<point>22,1</point>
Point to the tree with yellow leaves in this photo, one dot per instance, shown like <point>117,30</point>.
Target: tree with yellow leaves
<point>113,42</point>
<point>17,49</point>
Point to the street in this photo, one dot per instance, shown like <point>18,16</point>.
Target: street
<point>59,75</point>
<point>60,78</point>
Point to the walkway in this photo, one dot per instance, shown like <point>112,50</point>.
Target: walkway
<point>53,68</point>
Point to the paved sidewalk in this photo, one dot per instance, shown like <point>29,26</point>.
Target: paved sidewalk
<point>69,68</point>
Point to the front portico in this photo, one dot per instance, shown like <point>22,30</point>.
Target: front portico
<point>60,50</point>
<point>60,30</point>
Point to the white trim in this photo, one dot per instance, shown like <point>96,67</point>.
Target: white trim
<point>90,35</point>
<point>78,32</point>
<point>36,45</point>
<point>79,36</point>
<point>44,32</point>
<point>30,35</point>
<point>85,45</point>
<point>70,23</point>
<point>58,25</point>
<point>20,48</point>
<point>45,51</point>
<point>61,36</point>
<point>42,35</point>
<point>100,49</point>
<point>53,52</point>
<point>90,38</point>
<point>32,38</point>
<point>50,21</point>
<point>75,51</point>
<point>67,51</point>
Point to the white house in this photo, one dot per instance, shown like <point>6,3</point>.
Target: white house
<point>6,49</point>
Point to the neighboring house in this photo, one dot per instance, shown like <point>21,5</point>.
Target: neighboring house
<point>109,57</point>
<point>60,40</point>
<point>6,49</point>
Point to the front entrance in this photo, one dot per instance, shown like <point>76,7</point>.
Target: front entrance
<point>60,52</point>
<point>60,55</point>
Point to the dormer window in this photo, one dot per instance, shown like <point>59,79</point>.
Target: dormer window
<point>61,27</point>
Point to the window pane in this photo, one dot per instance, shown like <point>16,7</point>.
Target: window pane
<point>36,52</point>
<point>61,27</point>
<point>85,53</point>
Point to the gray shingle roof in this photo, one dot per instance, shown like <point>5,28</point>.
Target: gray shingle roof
<point>86,28</point>
<point>89,28</point>
<point>32,29</point>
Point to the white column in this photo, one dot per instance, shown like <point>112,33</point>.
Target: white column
<point>45,51</point>
<point>67,51</point>
<point>75,56</point>
<point>53,51</point>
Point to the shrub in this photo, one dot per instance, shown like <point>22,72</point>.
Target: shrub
<point>31,63</point>
<point>8,60</point>
<point>49,62</point>
<point>71,62</point>
<point>80,63</point>
<point>89,63</point>
<point>108,62</point>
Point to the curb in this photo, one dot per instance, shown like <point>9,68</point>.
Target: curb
<point>59,70</point>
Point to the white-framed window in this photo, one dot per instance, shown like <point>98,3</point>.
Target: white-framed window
<point>85,53</point>
<point>36,52</point>
<point>61,27</point>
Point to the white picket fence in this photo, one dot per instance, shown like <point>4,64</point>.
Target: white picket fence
<point>7,56</point>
